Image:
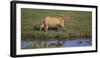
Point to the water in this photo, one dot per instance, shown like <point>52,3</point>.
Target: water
<point>82,42</point>
<point>54,43</point>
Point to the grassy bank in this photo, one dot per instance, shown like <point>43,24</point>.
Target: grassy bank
<point>78,25</point>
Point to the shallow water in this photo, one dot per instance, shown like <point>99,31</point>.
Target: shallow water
<point>70,43</point>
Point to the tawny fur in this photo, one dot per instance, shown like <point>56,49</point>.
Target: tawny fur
<point>53,21</point>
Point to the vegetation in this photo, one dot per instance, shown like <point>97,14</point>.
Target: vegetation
<point>78,25</point>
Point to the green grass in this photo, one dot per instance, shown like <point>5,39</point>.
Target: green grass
<point>80,22</point>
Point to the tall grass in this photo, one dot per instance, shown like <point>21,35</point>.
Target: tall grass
<point>78,25</point>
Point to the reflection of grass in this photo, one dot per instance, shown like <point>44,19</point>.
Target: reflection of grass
<point>79,24</point>
<point>54,43</point>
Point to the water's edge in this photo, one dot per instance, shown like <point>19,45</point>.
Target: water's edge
<point>54,43</point>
